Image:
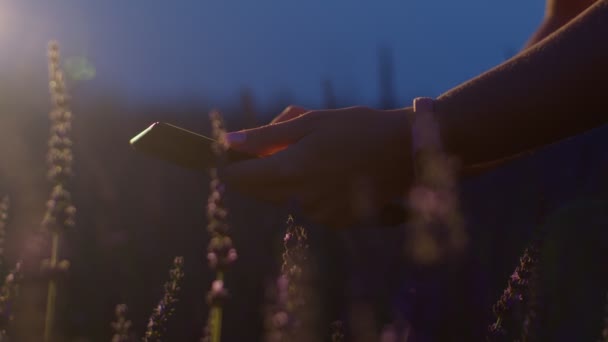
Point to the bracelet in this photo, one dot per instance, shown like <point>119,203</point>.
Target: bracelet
<point>424,126</point>
<point>436,223</point>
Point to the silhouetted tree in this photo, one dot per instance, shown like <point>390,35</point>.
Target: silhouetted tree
<point>329,96</point>
<point>386,71</point>
<point>248,107</point>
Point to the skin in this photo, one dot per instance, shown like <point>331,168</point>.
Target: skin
<point>326,167</point>
<point>342,166</point>
<point>557,14</point>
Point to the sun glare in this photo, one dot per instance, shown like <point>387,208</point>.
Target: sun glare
<point>5,22</point>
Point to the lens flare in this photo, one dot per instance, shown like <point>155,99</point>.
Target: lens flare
<point>79,68</point>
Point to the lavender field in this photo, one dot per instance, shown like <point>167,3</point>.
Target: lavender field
<point>101,243</point>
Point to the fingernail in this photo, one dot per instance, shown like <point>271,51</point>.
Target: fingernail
<point>235,138</point>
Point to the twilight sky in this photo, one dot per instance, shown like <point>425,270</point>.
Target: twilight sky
<point>150,50</point>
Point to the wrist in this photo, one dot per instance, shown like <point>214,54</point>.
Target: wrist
<point>425,132</point>
<point>403,126</point>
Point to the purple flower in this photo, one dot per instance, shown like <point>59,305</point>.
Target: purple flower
<point>165,308</point>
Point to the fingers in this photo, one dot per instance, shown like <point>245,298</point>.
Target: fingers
<point>274,170</point>
<point>289,113</point>
<point>335,206</point>
<point>269,139</point>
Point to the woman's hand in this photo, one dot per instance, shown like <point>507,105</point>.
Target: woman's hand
<point>341,166</point>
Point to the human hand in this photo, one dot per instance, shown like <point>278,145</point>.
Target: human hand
<point>341,166</point>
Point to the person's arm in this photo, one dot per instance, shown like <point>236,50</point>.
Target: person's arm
<point>557,14</point>
<point>548,26</point>
<point>553,90</point>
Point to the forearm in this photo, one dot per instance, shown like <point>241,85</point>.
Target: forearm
<point>551,91</point>
<point>548,26</point>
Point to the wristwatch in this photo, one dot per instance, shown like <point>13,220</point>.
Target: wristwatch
<point>424,126</point>
<point>425,135</point>
<point>425,147</point>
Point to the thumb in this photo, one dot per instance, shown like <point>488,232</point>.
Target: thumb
<point>269,139</point>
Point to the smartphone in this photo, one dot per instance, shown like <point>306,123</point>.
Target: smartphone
<point>181,147</point>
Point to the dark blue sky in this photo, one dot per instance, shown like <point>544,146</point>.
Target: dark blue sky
<point>157,49</point>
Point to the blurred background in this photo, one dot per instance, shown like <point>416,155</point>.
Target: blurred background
<point>130,63</point>
<point>208,52</point>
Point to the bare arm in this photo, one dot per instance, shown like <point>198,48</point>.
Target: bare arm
<point>557,14</point>
<point>551,91</point>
